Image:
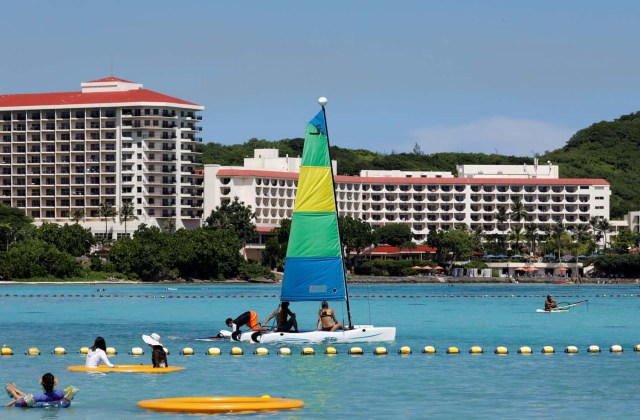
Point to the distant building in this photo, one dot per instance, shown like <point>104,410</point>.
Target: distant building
<point>426,201</point>
<point>112,142</point>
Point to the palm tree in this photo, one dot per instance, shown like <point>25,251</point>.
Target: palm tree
<point>516,236</point>
<point>555,234</point>
<point>531,235</point>
<point>502,216</point>
<point>581,235</point>
<point>106,212</point>
<point>127,212</point>
<point>77,215</point>
<point>604,227</point>
<point>518,211</point>
<point>170,225</point>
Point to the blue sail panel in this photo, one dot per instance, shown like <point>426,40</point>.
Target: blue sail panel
<point>313,279</point>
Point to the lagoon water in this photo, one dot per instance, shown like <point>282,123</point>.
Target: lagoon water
<point>413,386</point>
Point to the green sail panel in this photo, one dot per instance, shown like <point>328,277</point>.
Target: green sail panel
<point>313,235</point>
<point>316,152</point>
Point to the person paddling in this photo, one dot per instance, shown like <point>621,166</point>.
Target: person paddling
<point>550,304</point>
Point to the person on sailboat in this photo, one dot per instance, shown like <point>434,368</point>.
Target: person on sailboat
<point>285,319</point>
<point>327,319</point>
<point>249,318</point>
<point>550,304</point>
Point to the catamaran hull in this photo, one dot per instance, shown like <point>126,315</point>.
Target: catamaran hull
<point>360,334</point>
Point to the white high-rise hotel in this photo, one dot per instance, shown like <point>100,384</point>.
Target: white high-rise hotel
<point>426,201</point>
<point>112,142</point>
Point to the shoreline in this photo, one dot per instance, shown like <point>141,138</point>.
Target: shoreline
<point>356,280</point>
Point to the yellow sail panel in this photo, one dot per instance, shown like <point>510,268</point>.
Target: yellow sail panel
<point>315,190</point>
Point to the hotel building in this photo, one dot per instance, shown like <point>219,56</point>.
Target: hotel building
<point>426,201</point>
<point>112,142</point>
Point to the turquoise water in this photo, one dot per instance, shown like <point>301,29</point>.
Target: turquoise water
<point>413,386</point>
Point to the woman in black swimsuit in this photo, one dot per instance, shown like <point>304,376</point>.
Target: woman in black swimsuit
<point>327,319</point>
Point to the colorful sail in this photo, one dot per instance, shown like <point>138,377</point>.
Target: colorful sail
<point>313,268</point>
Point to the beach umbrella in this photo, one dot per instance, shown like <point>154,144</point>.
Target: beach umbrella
<point>416,267</point>
<point>521,269</point>
<point>563,268</point>
<point>516,256</point>
<point>549,256</point>
<point>489,256</point>
<point>438,268</point>
<point>531,269</point>
<point>426,267</point>
<point>501,256</point>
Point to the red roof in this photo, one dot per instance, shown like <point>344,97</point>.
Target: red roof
<point>388,249</point>
<point>399,180</point>
<point>79,98</point>
<point>264,229</point>
<point>109,79</point>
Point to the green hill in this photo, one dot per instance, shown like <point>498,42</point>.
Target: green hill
<point>608,150</point>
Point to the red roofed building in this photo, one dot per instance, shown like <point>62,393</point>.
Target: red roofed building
<point>63,154</point>
<point>426,201</point>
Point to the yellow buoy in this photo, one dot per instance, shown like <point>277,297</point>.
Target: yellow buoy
<point>59,351</point>
<point>261,351</point>
<point>501,350</point>
<point>593,349</point>
<point>380,351</point>
<point>308,351</point>
<point>571,349</point>
<point>616,348</point>
<point>213,351</point>
<point>404,350</point>
<point>476,350</point>
<point>429,350</point>
<point>236,351</point>
<point>285,351</point>
<point>111,351</point>
<point>6,351</point>
<point>525,350</point>
<point>356,351</point>
<point>83,350</point>
<point>331,351</point>
<point>187,351</point>
<point>548,350</point>
<point>136,351</point>
<point>33,351</point>
<point>637,347</point>
<point>453,350</point>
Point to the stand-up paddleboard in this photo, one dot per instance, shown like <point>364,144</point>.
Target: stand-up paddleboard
<point>126,369</point>
<point>552,311</point>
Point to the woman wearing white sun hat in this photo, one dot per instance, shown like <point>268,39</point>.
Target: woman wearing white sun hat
<point>158,355</point>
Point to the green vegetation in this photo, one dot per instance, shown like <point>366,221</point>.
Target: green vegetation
<point>609,150</point>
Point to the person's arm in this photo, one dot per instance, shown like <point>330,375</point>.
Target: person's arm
<point>270,317</point>
<point>105,359</point>
<point>319,319</point>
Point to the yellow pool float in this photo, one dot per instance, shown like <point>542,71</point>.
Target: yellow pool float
<point>126,369</point>
<point>210,405</point>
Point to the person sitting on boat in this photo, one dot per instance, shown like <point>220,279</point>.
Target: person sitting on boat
<point>48,383</point>
<point>285,319</point>
<point>550,304</point>
<point>249,318</point>
<point>158,355</point>
<point>327,319</point>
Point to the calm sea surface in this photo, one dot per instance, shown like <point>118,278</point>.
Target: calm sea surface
<point>603,385</point>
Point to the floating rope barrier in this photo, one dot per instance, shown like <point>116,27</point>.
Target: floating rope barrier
<point>7,352</point>
<point>371,296</point>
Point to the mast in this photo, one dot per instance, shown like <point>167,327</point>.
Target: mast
<point>323,101</point>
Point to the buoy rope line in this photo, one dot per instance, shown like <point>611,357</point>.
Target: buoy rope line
<point>7,351</point>
<point>357,296</point>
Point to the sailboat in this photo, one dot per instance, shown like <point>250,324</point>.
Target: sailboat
<point>314,264</point>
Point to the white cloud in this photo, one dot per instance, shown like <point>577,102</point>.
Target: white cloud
<point>502,135</point>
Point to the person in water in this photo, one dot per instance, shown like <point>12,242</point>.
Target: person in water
<point>98,353</point>
<point>327,319</point>
<point>249,318</point>
<point>48,383</point>
<point>285,319</point>
<point>158,355</point>
<point>550,304</point>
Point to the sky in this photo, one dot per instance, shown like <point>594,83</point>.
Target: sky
<point>508,77</point>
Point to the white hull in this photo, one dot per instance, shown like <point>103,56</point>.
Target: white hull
<point>360,334</point>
